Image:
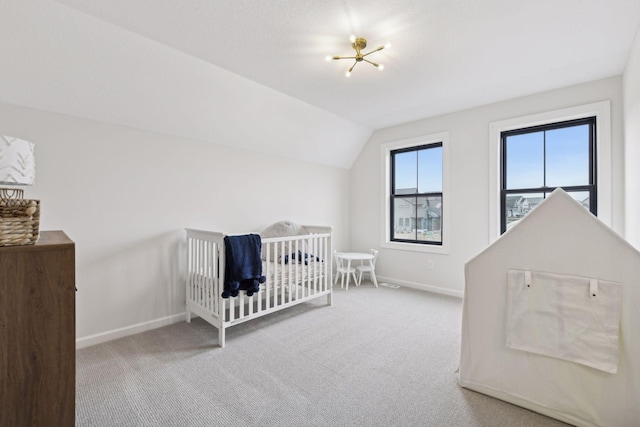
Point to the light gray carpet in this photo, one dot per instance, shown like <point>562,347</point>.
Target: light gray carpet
<point>378,357</point>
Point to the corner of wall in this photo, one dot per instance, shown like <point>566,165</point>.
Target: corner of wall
<point>631,102</point>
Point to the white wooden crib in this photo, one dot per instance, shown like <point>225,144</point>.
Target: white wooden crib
<point>291,279</point>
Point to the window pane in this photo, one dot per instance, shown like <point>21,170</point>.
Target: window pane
<point>404,217</point>
<point>525,160</point>
<point>405,173</point>
<point>430,170</point>
<point>581,197</point>
<point>519,205</point>
<point>568,156</point>
<point>429,219</point>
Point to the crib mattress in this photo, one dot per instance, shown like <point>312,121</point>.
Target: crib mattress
<point>297,273</point>
<point>276,274</point>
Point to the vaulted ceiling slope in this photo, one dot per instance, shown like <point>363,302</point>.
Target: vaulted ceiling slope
<point>252,74</point>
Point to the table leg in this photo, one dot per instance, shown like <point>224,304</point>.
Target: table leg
<point>348,270</point>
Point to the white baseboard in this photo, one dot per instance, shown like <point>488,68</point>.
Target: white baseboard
<point>421,286</point>
<point>128,330</point>
<point>164,321</point>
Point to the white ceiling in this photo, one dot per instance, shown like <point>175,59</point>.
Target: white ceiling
<point>446,55</point>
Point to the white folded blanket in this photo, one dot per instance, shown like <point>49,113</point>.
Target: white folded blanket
<point>568,317</point>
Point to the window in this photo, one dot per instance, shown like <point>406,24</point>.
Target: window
<point>537,160</point>
<point>551,169</point>
<point>416,195</point>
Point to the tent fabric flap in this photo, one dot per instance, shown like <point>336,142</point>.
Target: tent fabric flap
<point>568,317</point>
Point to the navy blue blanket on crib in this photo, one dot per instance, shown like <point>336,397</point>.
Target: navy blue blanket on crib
<point>243,265</point>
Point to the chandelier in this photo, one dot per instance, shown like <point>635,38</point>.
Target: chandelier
<point>359,44</point>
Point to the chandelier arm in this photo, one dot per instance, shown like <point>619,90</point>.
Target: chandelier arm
<point>373,51</point>
<point>344,57</point>
<point>353,66</point>
<point>372,63</point>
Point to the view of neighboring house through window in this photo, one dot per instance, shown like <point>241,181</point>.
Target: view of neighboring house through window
<point>537,160</point>
<point>416,194</point>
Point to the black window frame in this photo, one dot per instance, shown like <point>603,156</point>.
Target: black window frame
<point>591,188</point>
<point>393,196</point>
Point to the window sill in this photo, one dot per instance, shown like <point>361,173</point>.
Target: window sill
<point>414,247</point>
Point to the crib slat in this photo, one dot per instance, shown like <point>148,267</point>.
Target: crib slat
<point>278,282</point>
<point>205,272</point>
<point>264,303</point>
<point>189,269</point>
<point>207,282</point>
<point>215,287</point>
<point>190,272</point>
<point>297,271</point>
<point>203,267</point>
<point>313,268</point>
<point>200,272</point>
<point>291,266</point>
<point>216,291</point>
<point>274,283</point>
<point>274,276</point>
<point>241,303</point>
<point>311,248</point>
<point>283,272</point>
<point>317,265</point>
<point>194,258</point>
<point>227,301</point>
<point>326,263</point>
<point>305,271</point>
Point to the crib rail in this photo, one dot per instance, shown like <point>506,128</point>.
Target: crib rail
<point>297,268</point>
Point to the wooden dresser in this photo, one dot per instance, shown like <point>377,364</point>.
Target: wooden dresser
<point>37,332</point>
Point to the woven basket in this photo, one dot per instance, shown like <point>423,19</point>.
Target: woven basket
<point>19,222</point>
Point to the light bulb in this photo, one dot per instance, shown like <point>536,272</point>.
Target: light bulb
<point>387,46</point>
<point>348,74</point>
<point>328,58</point>
<point>352,38</point>
<point>380,67</point>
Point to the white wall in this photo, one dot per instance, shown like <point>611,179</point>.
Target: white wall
<point>469,175</point>
<point>125,195</point>
<point>631,87</point>
<point>56,58</point>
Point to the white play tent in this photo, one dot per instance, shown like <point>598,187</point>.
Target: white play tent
<point>551,318</point>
